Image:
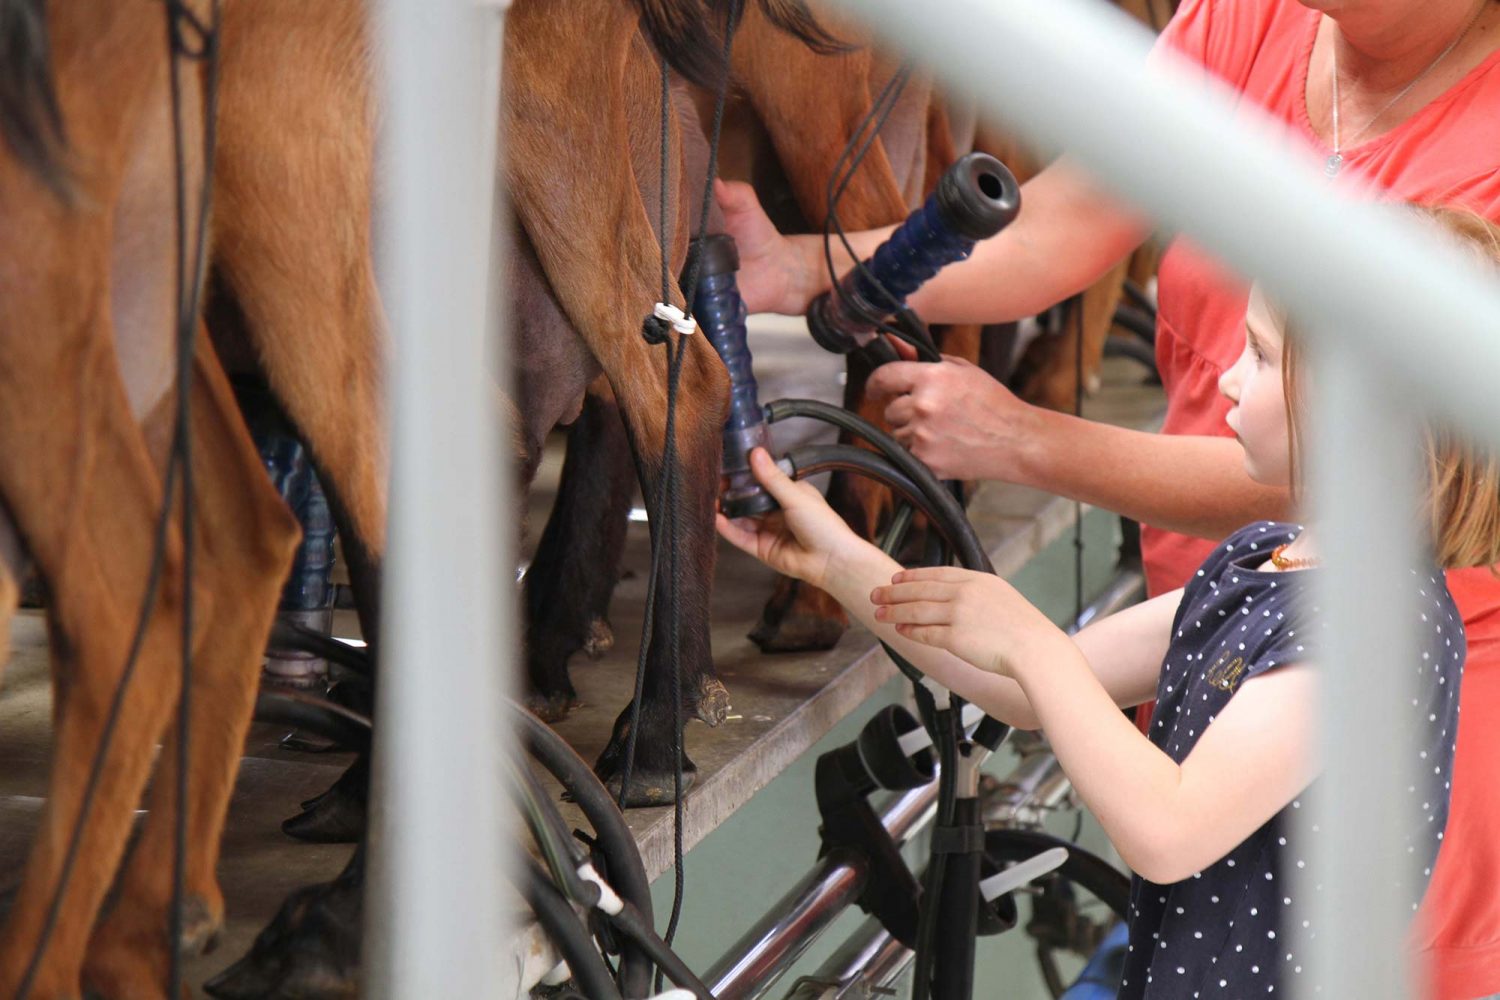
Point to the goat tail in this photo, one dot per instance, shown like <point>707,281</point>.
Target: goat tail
<point>30,118</point>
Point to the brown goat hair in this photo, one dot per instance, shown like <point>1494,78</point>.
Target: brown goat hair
<point>86,348</point>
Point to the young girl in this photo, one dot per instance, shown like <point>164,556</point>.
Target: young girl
<point>1200,808</point>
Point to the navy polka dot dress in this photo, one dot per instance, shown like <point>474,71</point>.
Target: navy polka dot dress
<point>1227,932</point>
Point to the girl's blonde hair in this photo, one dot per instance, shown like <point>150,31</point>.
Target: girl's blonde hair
<point>1462,499</point>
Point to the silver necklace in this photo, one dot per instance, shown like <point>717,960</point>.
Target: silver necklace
<point>1336,160</point>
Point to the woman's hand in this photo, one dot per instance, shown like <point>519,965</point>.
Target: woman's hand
<point>955,417</point>
<point>777,273</point>
<point>977,617</point>
<point>805,539</point>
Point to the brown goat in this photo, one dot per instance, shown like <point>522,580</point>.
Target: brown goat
<point>85,333</point>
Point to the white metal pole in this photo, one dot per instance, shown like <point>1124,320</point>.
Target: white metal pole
<point>434,914</point>
<point>1356,820</point>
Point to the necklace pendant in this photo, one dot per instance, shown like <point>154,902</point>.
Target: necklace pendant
<point>1334,164</point>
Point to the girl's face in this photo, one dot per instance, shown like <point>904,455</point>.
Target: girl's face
<point>1258,416</point>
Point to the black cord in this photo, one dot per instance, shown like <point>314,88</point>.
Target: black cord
<point>203,47</point>
<point>192,39</point>
<point>668,506</point>
<point>905,325</point>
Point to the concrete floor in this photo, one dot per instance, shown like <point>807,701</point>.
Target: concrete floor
<point>260,865</point>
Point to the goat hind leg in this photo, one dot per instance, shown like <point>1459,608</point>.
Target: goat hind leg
<point>572,577</point>
<point>244,538</point>
<point>94,551</point>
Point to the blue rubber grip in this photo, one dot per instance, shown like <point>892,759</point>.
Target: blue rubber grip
<point>974,200</point>
<point>921,247</point>
<point>720,313</point>
<point>309,587</point>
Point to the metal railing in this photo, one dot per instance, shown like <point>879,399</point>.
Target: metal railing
<point>436,912</point>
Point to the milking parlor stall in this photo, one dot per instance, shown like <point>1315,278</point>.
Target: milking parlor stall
<point>374,374</point>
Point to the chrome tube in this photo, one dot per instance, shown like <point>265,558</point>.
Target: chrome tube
<point>869,960</point>
<point>1037,786</point>
<point>753,964</point>
<point>436,912</point>
<point>1034,789</point>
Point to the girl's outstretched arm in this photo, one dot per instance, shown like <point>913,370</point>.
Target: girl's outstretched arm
<point>807,540</point>
<point>1167,820</point>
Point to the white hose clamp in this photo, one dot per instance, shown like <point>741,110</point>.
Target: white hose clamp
<point>671,314</point>
<point>609,902</point>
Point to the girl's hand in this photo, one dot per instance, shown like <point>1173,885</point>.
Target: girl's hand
<point>977,617</point>
<point>801,540</point>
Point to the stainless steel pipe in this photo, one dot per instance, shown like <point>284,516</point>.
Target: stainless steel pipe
<point>753,964</point>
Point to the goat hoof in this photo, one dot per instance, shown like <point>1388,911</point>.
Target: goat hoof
<point>201,924</point>
<point>713,701</point>
<point>797,634</point>
<point>650,786</point>
<point>338,815</point>
<point>599,638</point>
<point>309,951</point>
<point>799,619</point>
<point>333,819</point>
<point>652,778</point>
<point>551,707</point>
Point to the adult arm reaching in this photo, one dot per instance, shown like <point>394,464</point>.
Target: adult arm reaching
<point>1067,235</point>
<point>966,425</point>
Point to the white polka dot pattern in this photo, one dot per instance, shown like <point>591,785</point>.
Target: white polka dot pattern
<point>1227,931</point>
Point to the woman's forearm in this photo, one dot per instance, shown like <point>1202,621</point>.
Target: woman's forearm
<point>1065,238</point>
<point>1194,485</point>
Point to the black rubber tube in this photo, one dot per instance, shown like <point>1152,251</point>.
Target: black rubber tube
<point>564,929</point>
<point>946,516</point>
<point>1110,886</point>
<point>289,635</point>
<point>1141,324</point>
<point>303,710</point>
<point>626,872</point>
<point>936,499</point>
<point>631,924</point>
<point>1116,346</point>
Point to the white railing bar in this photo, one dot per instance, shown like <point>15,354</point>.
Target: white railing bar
<point>1356,818</point>
<point>435,918</point>
<point>1070,74</point>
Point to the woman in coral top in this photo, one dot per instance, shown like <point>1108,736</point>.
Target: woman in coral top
<point>1403,95</point>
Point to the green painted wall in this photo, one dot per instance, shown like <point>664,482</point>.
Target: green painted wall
<point>739,871</point>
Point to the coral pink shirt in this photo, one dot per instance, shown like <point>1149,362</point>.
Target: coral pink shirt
<point>1448,153</point>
